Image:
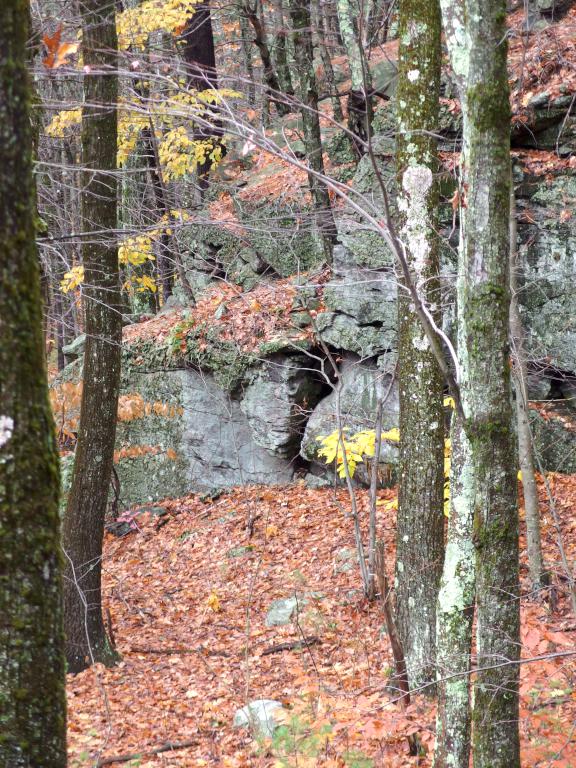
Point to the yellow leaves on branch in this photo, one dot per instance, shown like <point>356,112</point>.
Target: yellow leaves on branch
<point>355,448</point>
<point>361,445</point>
<point>133,252</point>
<point>134,25</point>
<point>180,155</point>
<point>72,279</point>
<point>64,123</point>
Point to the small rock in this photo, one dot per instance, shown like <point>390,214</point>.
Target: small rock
<point>259,716</point>
<point>345,560</point>
<point>301,319</point>
<point>73,350</point>
<point>280,612</point>
<point>239,551</point>
<point>539,100</point>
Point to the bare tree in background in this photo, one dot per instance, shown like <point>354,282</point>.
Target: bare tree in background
<point>86,638</point>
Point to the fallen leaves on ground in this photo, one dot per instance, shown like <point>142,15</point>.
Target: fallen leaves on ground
<point>188,602</point>
<point>245,318</point>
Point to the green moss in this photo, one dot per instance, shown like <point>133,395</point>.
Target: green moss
<point>489,106</point>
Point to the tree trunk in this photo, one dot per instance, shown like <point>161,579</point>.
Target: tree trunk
<point>281,49</point>
<point>476,39</point>
<point>455,612</point>
<point>538,576</point>
<point>304,54</point>
<point>359,100</point>
<point>260,41</point>
<point>329,76</point>
<point>200,59</point>
<point>32,693</point>
<point>379,22</point>
<point>247,55</point>
<point>86,639</point>
<point>420,532</point>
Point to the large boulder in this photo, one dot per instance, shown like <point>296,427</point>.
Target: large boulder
<point>183,430</point>
<point>360,302</point>
<point>548,249</point>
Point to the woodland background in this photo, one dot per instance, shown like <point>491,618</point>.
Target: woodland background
<point>280,384</point>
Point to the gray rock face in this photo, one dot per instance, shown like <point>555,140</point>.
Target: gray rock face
<point>275,403</point>
<point>180,431</point>
<point>218,442</point>
<point>258,715</point>
<point>362,384</point>
<point>548,289</point>
<point>75,349</point>
<point>361,303</point>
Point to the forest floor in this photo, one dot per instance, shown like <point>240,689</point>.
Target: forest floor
<point>187,594</point>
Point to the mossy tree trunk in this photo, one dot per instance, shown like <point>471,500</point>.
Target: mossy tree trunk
<point>420,532</point>
<point>455,611</point>
<point>476,38</point>
<point>308,94</point>
<point>86,639</point>
<point>32,693</point>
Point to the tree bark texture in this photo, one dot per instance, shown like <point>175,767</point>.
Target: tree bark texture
<point>420,532</point>
<point>455,612</point>
<point>32,693</point>
<point>86,639</point>
<point>476,39</point>
<point>200,59</point>
<point>329,77</point>
<point>281,48</point>
<point>304,54</point>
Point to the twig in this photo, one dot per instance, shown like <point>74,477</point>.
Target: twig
<point>293,645</point>
<point>182,651</point>
<point>401,673</point>
<point>168,746</point>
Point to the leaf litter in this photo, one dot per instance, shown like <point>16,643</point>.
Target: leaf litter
<point>188,597</point>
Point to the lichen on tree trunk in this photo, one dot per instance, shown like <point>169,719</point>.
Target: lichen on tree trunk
<point>476,40</point>
<point>455,612</point>
<point>83,530</point>
<point>32,693</point>
<point>420,531</point>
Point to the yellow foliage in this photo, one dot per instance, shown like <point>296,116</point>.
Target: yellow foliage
<point>213,602</point>
<point>63,123</point>
<point>180,155</point>
<point>134,25</point>
<point>361,445</point>
<point>136,250</point>
<point>356,447</point>
<point>130,124</point>
<point>72,279</point>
